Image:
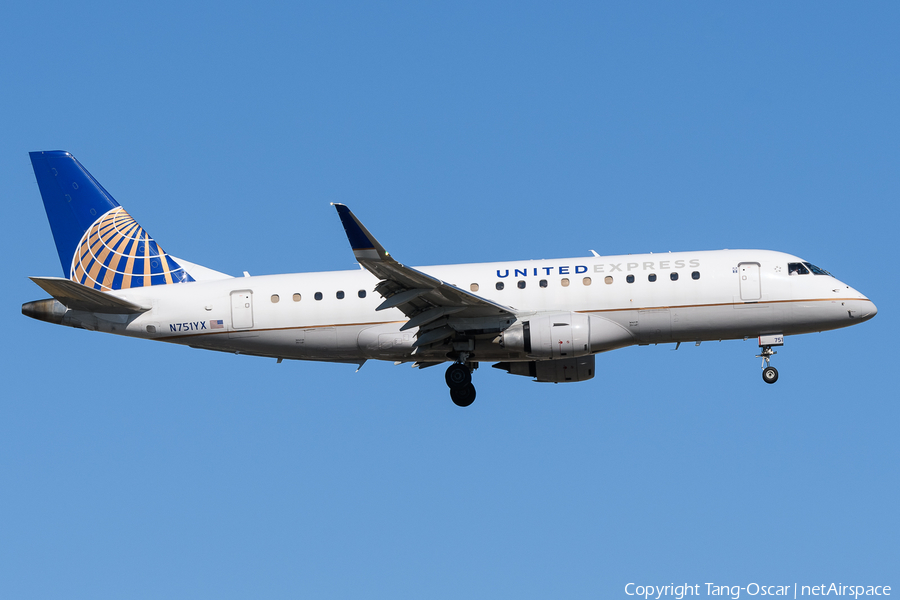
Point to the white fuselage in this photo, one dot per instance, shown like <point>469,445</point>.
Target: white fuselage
<point>725,294</point>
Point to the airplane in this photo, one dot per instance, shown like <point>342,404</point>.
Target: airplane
<point>544,319</point>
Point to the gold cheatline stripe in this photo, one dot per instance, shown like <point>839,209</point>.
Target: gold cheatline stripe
<point>722,304</point>
<point>173,337</point>
<point>578,311</point>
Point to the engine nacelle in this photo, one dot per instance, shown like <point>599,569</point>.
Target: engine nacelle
<point>553,371</point>
<point>564,335</point>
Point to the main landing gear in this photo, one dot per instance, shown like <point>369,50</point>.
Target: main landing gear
<point>459,380</point>
<point>769,373</point>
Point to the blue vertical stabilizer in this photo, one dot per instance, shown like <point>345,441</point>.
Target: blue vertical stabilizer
<point>72,198</point>
<point>99,244</point>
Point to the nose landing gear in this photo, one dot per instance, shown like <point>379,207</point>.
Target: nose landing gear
<point>770,373</point>
<point>459,380</point>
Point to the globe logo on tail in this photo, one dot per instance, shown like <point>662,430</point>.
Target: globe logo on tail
<point>116,253</point>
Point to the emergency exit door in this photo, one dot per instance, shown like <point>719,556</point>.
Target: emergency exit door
<point>750,287</point>
<point>242,309</point>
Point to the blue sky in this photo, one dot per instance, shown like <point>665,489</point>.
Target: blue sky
<point>457,133</point>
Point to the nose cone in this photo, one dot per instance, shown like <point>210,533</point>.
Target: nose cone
<point>858,306</point>
<point>868,310</point>
<point>861,310</point>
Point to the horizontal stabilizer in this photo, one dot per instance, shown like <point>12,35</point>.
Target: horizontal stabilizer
<point>80,297</point>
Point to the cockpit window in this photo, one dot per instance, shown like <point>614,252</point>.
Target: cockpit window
<point>816,270</point>
<point>806,268</point>
<point>797,269</point>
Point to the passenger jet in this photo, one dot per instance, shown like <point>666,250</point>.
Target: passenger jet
<point>544,319</point>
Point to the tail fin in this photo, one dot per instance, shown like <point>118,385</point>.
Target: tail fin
<point>99,244</point>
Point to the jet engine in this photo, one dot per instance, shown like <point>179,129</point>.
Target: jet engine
<point>564,335</point>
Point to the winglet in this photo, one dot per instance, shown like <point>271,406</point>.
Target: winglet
<point>407,289</point>
<point>364,244</point>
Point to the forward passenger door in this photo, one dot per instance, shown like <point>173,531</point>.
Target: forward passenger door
<point>750,286</point>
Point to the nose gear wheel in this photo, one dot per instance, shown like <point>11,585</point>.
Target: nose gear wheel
<point>770,373</point>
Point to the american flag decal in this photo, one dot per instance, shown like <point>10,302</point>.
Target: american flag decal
<point>217,324</point>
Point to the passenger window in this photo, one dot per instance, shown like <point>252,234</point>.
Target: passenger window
<point>652,277</point>
<point>673,276</point>
<point>474,287</point>
<point>564,282</point>
<point>543,283</point>
<point>361,293</point>
<point>797,269</point>
<point>296,297</point>
<point>586,281</point>
<point>521,285</point>
<point>340,295</point>
<point>318,296</point>
<point>499,285</point>
<point>608,279</point>
<point>630,279</point>
<point>695,275</point>
<point>275,298</point>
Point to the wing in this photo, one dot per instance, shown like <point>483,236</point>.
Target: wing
<point>440,310</point>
